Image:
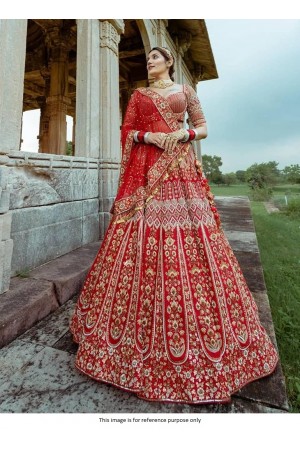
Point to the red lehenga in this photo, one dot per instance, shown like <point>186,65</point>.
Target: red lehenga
<point>165,311</point>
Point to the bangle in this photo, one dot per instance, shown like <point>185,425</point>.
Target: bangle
<point>139,136</point>
<point>197,137</point>
<point>192,134</point>
<point>135,136</point>
<point>146,137</point>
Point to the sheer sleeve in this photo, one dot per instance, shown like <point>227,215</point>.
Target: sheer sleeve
<point>130,119</point>
<point>194,109</point>
<point>127,131</point>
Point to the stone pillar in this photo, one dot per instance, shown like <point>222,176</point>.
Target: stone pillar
<point>110,149</point>
<point>58,100</point>
<point>44,129</point>
<point>88,103</point>
<point>12,67</point>
<point>73,136</point>
<point>184,40</point>
<point>161,32</point>
<point>109,91</point>
<point>45,116</point>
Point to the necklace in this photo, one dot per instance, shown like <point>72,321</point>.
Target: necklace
<point>162,84</point>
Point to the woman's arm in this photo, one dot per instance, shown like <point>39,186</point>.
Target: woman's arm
<point>201,132</point>
<point>197,118</point>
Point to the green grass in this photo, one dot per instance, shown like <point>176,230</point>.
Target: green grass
<point>292,190</point>
<point>286,188</point>
<point>278,236</point>
<point>230,191</point>
<point>278,239</point>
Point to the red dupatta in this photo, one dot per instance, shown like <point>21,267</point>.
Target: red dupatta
<point>125,206</point>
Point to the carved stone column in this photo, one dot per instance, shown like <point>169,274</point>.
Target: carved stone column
<point>12,67</point>
<point>45,116</point>
<point>161,32</point>
<point>110,150</point>
<point>109,92</point>
<point>183,40</point>
<point>87,129</point>
<point>58,101</point>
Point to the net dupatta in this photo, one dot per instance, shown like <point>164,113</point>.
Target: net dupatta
<point>125,206</point>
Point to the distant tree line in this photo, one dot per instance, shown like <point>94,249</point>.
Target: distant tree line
<point>258,176</point>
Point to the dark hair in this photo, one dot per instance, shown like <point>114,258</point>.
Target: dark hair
<point>167,55</point>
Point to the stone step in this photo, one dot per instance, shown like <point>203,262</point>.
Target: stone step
<point>30,299</point>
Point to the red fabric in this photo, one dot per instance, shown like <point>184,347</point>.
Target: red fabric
<point>165,310</point>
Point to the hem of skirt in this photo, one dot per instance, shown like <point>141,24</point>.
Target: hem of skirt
<point>225,400</point>
<point>139,394</point>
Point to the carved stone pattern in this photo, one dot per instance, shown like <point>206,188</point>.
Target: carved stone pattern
<point>184,41</point>
<point>58,103</point>
<point>109,37</point>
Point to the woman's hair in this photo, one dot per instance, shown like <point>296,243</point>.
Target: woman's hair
<point>168,56</point>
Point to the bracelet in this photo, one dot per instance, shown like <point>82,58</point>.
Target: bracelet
<point>192,134</point>
<point>135,136</point>
<point>146,137</point>
<point>139,136</point>
<point>196,135</point>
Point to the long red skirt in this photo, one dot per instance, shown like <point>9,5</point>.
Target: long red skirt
<point>165,311</point>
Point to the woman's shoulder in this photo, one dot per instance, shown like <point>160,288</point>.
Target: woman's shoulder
<point>186,88</point>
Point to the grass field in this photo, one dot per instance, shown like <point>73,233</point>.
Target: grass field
<point>240,189</point>
<point>291,190</point>
<point>278,239</point>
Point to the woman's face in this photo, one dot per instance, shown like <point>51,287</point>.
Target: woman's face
<point>157,66</point>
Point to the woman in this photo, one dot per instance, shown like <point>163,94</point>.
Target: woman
<point>165,311</point>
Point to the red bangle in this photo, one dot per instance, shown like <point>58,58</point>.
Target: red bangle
<point>192,135</point>
<point>140,136</point>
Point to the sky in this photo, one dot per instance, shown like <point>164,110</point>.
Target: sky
<point>253,108</point>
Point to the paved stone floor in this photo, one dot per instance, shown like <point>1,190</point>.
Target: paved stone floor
<point>37,373</point>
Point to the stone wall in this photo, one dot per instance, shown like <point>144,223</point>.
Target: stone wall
<point>6,243</point>
<point>54,206</point>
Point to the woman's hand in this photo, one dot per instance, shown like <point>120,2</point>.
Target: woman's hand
<point>167,141</point>
<point>156,139</point>
<point>170,140</point>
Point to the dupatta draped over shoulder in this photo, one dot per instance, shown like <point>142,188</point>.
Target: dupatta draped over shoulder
<point>144,167</point>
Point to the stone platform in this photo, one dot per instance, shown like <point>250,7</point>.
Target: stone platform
<point>37,371</point>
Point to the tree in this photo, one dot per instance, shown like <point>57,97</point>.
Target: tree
<point>241,175</point>
<point>229,178</point>
<point>211,167</point>
<point>292,173</point>
<point>262,175</point>
<point>69,148</point>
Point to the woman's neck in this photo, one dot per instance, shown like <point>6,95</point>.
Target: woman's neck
<point>162,83</point>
